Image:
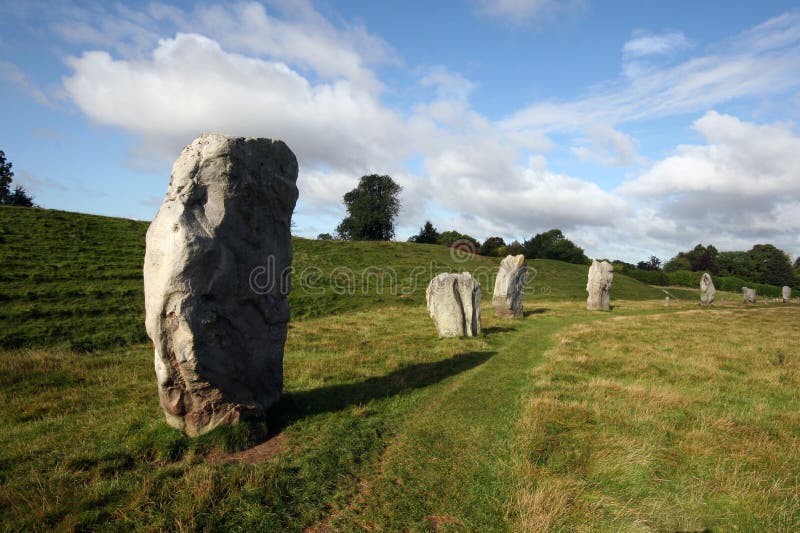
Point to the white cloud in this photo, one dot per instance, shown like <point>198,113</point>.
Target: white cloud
<point>191,85</point>
<point>740,158</point>
<point>607,146</point>
<point>448,85</point>
<point>739,188</point>
<point>644,44</point>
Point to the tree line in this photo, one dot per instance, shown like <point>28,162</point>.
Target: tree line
<point>763,263</point>
<point>374,204</point>
<point>18,195</point>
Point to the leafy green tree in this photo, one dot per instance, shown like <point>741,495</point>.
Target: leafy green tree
<point>698,259</point>
<point>679,262</point>
<point>427,234</point>
<point>654,263</point>
<point>372,208</point>
<point>18,196</point>
<point>771,265</point>
<point>449,237</point>
<point>324,237</point>
<point>553,244</point>
<point>739,264</point>
<point>491,245</point>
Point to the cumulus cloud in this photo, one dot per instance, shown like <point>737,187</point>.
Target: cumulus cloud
<point>191,85</point>
<point>740,187</point>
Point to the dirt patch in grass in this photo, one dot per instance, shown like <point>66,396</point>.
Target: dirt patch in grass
<point>257,454</point>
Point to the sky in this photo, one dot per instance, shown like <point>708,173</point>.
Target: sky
<point>637,128</point>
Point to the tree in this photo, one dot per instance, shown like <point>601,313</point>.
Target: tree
<point>771,265</point>
<point>738,264</point>
<point>427,234</point>
<point>324,237</point>
<point>491,245</point>
<point>515,248</point>
<point>698,259</point>
<point>372,208</point>
<point>654,263</point>
<point>679,262</point>
<point>553,244</point>
<point>449,237</point>
<point>18,196</point>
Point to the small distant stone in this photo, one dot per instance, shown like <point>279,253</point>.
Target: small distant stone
<point>786,294</point>
<point>509,286</point>
<point>749,295</point>
<point>454,303</point>
<point>601,275</point>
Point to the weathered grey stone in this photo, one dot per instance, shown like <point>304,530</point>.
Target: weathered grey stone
<point>707,289</point>
<point>748,295</point>
<point>601,275</point>
<point>454,302</point>
<point>666,301</point>
<point>215,293</point>
<point>786,293</point>
<point>509,286</point>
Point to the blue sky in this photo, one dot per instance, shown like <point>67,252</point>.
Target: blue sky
<point>636,127</point>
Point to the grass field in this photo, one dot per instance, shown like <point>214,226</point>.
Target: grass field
<point>643,419</point>
<point>76,280</point>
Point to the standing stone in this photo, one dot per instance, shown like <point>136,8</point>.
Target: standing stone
<point>707,290</point>
<point>666,301</point>
<point>509,286</point>
<point>786,294</point>
<point>216,280</point>
<point>748,295</point>
<point>599,286</point>
<point>454,302</point>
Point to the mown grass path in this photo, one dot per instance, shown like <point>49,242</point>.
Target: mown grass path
<point>450,464</point>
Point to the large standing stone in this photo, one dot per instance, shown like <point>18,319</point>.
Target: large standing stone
<point>748,295</point>
<point>707,290</point>
<point>786,293</point>
<point>509,286</point>
<point>454,302</point>
<point>599,286</point>
<point>216,280</point>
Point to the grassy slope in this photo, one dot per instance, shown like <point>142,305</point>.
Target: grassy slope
<point>75,278</point>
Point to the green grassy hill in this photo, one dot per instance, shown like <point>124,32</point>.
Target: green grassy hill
<point>76,278</point>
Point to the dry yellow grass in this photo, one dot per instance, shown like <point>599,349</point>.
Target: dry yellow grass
<point>679,421</point>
